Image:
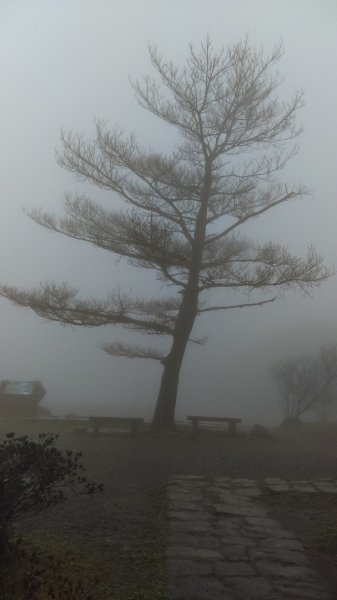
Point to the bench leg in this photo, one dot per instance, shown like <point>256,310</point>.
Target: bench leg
<point>134,428</point>
<point>80,430</point>
<point>232,428</point>
<point>194,423</point>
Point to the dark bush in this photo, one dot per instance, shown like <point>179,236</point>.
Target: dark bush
<point>33,476</point>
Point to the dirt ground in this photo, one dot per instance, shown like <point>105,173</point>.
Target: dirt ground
<point>123,521</point>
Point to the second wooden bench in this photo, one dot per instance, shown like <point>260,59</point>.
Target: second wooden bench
<point>232,422</point>
<point>132,422</point>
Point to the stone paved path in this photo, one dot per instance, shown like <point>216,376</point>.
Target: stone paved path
<point>223,546</point>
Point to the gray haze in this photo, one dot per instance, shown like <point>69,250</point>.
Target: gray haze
<point>63,64</point>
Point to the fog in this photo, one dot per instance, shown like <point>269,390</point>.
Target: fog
<point>64,63</point>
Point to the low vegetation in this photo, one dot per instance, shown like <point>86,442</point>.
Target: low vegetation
<point>111,546</point>
<point>35,475</point>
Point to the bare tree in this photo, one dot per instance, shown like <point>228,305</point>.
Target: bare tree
<point>327,399</point>
<point>307,383</point>
<point>186,208</point>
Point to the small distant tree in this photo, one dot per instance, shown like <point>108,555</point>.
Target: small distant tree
<point>327,400</point>
<point>307,383</point>
<point>188,208</point>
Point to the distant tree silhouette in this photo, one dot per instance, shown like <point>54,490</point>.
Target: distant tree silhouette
<point>307,383</point>
<point>186,209</point>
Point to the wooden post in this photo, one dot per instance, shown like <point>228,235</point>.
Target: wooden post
<point>134,427</point>
<point>232,427</point>
<point>195,423</point>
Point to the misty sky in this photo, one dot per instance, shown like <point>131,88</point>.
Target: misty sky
<point>65,63</point>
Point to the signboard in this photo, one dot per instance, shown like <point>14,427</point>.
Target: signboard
<point>20,398</point>
<point>19,387</point>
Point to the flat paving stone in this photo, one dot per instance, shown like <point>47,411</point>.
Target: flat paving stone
<point>233,552</point>
<point>234,497</point>
<point>223,479</point>
<point>250,588</point>
<point>180,567</point>
<point>243,482</point>
<point>183,515</point>
<point>196,553</point>
<point>276,484</point>
<point>286,557</point>
<point>304,487</point>
<point>236,539</point>
<point>264,533</point>
<point>247,509</point>
<point>193,541</point>
<point>234,568</point>
<point>198,588</point>
<point>299,592</point>
<point>188,478</point>
<point>264,522</point>
<point>281,544</point>
<point>279,489</point>
<point>179,505</point>
<point>228,524</point>
<point>190,526</point>
<point>326,486</point>
<point>219,490</point>
<point>253,492</point>
<point>222,545</point>
<point>178,496</point>
<point>279,570</point>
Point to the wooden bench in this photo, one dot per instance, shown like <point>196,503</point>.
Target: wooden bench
<point>232,423</point>
<point>96,422</point>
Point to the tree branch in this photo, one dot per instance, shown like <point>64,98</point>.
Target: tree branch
<point>230,306</point>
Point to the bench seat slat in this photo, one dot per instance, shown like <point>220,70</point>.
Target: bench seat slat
<point>215,419</point>
<point>139,420</point>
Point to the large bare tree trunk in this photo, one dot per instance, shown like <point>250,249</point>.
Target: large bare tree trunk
<point>163,418</point>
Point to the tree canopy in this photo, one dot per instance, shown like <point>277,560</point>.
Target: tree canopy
<point>184,211</point>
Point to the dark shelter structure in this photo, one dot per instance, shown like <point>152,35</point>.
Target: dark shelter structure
<point>20,398</point>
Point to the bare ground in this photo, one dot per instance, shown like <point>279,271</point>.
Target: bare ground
<point>124,521</point>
